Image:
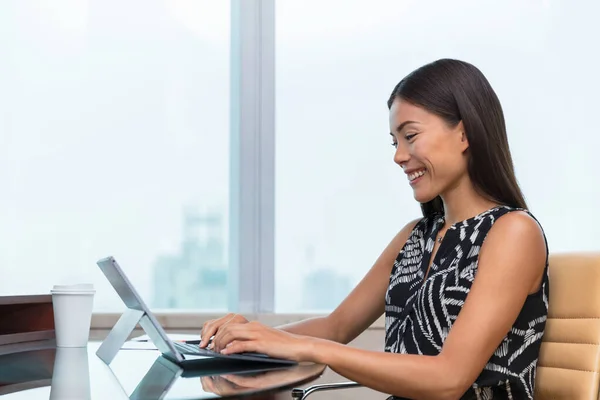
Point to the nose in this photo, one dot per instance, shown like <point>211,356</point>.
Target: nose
<point>401,156</point>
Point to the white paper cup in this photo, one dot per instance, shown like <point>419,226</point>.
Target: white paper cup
<point>72,314</point>
<point>71,375</point>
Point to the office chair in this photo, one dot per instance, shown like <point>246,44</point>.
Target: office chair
<point>569,361</point>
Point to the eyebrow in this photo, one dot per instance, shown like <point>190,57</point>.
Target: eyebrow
<point>402,125</point>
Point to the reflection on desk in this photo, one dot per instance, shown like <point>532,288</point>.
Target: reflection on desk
<point>26,370</point>
<point>44,372</point>
<point>243,383</point>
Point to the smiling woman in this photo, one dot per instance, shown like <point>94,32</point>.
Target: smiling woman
<point>453,126</point>
<point>464,316</point>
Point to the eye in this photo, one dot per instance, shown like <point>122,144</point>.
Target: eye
<point>394,144</point>
<point>410,136</point>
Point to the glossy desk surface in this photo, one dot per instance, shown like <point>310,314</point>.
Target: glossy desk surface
<point>62,373</point>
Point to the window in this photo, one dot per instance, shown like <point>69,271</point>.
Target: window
<point>115,141</point>
<point>339,196</point>
<point>153,131</point>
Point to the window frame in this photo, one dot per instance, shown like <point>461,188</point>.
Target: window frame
<point>252,155</point>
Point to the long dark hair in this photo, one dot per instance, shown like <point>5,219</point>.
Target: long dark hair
<point>458,91</point>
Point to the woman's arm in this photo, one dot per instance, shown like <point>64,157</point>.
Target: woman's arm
<point>362,306</point>
<point>511,265</point>
<point>355,314</point>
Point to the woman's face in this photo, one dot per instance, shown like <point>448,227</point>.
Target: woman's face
<point>431,153</point>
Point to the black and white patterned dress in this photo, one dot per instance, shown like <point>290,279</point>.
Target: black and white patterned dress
<point>420,314</point>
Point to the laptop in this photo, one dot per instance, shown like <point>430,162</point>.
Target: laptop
<point>179,352</point>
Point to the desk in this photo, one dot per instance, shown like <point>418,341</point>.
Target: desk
<point>59,373</point>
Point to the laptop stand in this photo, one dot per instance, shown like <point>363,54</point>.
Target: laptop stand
<point>124,327</point>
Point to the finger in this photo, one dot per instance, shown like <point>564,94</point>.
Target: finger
<point>218,342</point>
<point>213,327</point>
<point>207,331</point>
<point>223,386</point>
<point>243,381</point>
<point>240,319</point>
<point>236,332</point>
<point>240,346</point>
<point>227,320</point>
<point>207,384</point>
<point>250,330</point>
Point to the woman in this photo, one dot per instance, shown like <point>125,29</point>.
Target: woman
<point>464,288</point>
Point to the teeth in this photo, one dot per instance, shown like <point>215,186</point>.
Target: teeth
<point>415,175</point>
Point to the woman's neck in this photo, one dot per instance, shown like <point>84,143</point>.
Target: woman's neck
<point>462,202</point>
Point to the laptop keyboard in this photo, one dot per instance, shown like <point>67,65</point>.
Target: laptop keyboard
<point>194,349</point>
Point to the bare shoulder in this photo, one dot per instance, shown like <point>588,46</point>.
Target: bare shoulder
<point>516,241</point>
<point>517,226</point>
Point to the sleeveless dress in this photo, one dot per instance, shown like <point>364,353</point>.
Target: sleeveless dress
<point>419,315</point>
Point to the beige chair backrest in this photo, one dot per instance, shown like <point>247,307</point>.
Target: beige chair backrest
<point>569,363</point>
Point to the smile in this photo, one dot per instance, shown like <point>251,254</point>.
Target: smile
<point>413,176</point>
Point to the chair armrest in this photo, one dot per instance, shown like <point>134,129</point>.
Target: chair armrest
<point>301,394</point>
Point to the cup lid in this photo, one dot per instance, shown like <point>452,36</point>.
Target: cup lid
<point>72,292</point>
<point>80,287</point>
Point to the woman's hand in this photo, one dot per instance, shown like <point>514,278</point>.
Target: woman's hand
<point>219,385</point>
<point>210,328</point>
<point>254,337</point>
<point>224,387</point>
<point>275,378</point>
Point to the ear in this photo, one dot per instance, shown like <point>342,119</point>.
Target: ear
<point>462,134</point>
